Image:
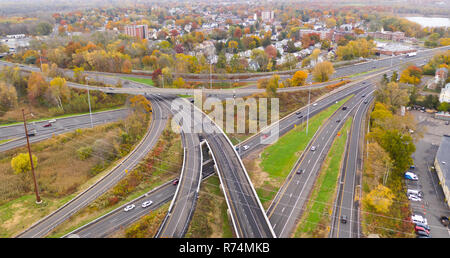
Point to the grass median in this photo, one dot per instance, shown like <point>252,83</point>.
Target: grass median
<point>269,169</point>
<point>210,218</point>
<point>315,220</point>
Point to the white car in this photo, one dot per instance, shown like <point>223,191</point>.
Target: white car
<point>52,121</point>
<point>245,147</point>
<point>315,104</point>
<point>419,219</point>
<point>313,148</point>
<point>415,198</point>
<point>411,176</point>
<point>146,204</point>
<point>129,207</point>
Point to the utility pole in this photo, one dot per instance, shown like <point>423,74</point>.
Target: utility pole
<point>40,59</point>
<point>162,77</point>
<point>89,101</point>
<point>38,198</point>
<point>210,75</point>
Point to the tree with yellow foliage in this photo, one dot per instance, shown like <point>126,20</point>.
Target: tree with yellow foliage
<point>299,78</point>
<point>322,71</point>
<point>381,198</point>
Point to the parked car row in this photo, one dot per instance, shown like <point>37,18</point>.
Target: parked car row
<point>420,223</point>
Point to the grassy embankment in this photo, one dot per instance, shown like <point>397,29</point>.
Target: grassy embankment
<point>288,103</point>
<point>162,164</point>
<point>90,154</point>
<point>210,219</point>
<point>269,169</point>
<point>316,218</point>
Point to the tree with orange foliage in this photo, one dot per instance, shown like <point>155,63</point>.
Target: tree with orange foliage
<point>36,87</point>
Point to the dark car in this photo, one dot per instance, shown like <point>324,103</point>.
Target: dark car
<point>32,133</point>
<point>300,171</point>
<point>298,112</point>
<point>445,221</point>
<point>363,96</point>
<point>175,182</point>
<point>344,219</point>
<point>338,121</point>
<point>300,116</point>
<point>344,108</point>
<point>422,233</point>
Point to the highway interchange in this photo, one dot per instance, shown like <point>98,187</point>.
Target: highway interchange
<point>248,216</point>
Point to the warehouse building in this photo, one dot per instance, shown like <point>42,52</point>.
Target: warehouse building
<point>442,165</point>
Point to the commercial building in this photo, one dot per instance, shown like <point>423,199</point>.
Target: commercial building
<point>267,15</point>
<point>138,31</point>
<point>442,166</point>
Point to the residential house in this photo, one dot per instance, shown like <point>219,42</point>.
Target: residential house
<point>445,94</point>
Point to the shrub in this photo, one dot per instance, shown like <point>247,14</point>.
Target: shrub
<point>84,152</point>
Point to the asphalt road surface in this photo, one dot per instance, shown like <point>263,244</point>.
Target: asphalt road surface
<point>288,204</point>
<point>183,204</point>
<point>346,203</point>
<point>62,125</point>
<point>45,225</point>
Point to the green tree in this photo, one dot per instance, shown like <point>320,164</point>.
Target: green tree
<point>400,148</point>
<point>43,28</point>
<point>444,106</point>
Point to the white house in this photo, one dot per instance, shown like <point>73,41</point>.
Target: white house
<point>445,94</point>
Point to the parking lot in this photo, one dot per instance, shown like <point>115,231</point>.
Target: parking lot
<point>432,206</point>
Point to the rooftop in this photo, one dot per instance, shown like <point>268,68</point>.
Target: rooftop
<point>444,159</point>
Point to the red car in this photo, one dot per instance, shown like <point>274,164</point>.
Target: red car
<point>418,228</point>
<point>175,182</point>
<point>47,124</point>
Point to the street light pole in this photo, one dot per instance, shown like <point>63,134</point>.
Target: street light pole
<point>38,198</point>
<point>307,116</point>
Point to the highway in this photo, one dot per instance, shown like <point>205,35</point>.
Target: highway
<point>248,216</point>
<point>62,125</point>
<point>183,204</point>
<point>292,197</point>
<point>45,225</point>
<point>346,203</point>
